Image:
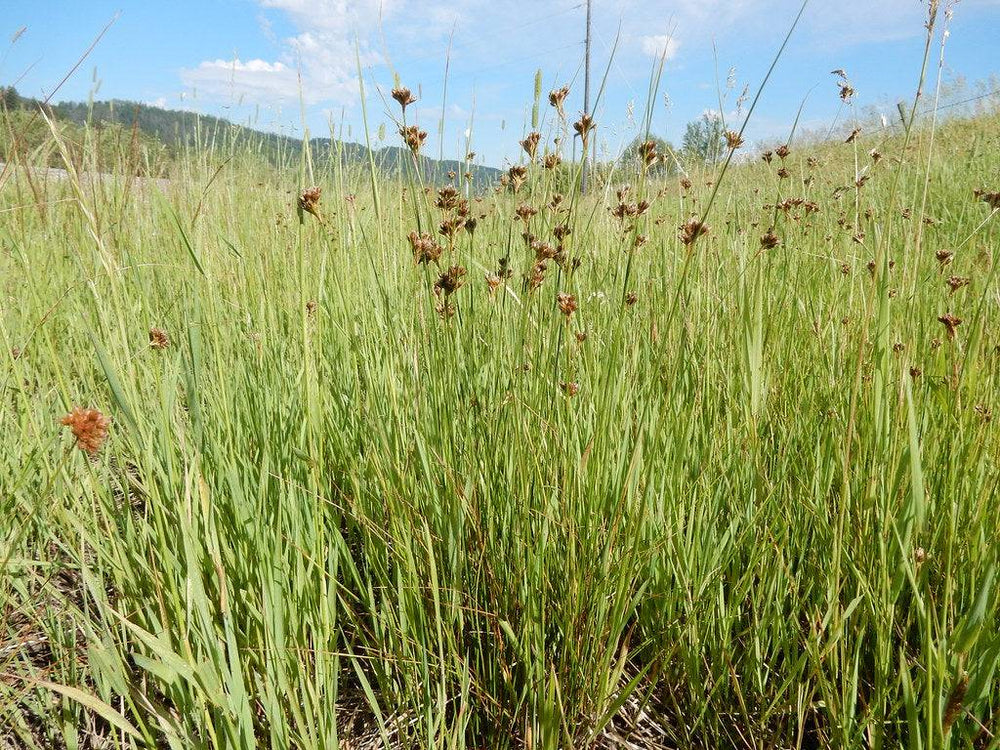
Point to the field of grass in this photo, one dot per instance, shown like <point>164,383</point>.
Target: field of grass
<point>668,489</point>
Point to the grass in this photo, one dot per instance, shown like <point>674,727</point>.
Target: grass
<point>740,497</point>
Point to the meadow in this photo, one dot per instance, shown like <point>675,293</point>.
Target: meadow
<point>703,460</point>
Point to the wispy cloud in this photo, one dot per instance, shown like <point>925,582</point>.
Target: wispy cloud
<point>232,80</point>
<point>322,55</point>
<point>659,46</point>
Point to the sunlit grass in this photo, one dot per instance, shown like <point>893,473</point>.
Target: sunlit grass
<point>608,468</point>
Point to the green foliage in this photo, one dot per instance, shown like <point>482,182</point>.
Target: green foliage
<point>664,166</point>
<point>703,141</point>
<point>180,134</point>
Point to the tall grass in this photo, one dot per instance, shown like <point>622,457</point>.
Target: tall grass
<point>742,496</point>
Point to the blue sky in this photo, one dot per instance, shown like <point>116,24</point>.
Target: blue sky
<point>244,59</point>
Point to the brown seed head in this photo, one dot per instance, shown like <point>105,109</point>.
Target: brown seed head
<point>557,97</point>
<point>450,227</point>
<point>953,709</point>
<point>647,152</point>
<point>309,201</point>
<point>569,388</point>
<point>425,248</point>
<point>769,240</point>
<point>524,212</point>
<point>413,137</point>
<point>517,175</point>
<point>583,126</point>
<point>404,96</point>
<point>990,199</point>
<point>957,282</point>
<point>530,144</point>
<point>951,323</point>
<point>158,338</point>
<point>543,250</point>
<point>537,275</point>
<point>567,304</point>
<point>691,230</point>
<point>733,139</point>
<point>782,151</point>
<point>448,198</point>
<point>449,281</point>
<point>89,427</point>
<point>944,257</point>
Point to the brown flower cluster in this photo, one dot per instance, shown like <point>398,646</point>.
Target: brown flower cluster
<point>583,127</point>
<point>990,199</point>
<point>425,249</point>
<point>404,96</point>
<point>951,324</point>
<point>524,212</point>
<point>570,388</point>
<point>449,281</point>
<point>516,177</point>
<point>625,209</point>
<point>413,137</point>
<point>733,140</point>
<point>691,230</point>
<point>530,145</point>
<point>89,427</point>
<point>957,282</point>
<point>769,240</point>
<point>557,97</point>
<point>309,201</point>
<point>647,153</point>
<point>846,90</point>
<point>158,338</point>
<point>567,304</point>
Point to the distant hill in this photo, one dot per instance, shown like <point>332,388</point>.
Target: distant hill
<point>179,130</point>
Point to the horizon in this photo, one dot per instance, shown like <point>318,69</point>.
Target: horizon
<point>243,60</point>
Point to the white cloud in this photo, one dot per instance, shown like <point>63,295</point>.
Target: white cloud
<point>322,56</point>
<point>659,46</point>
<point>253,80</point>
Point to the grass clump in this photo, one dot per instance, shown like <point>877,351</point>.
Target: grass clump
<point>431,468</point>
